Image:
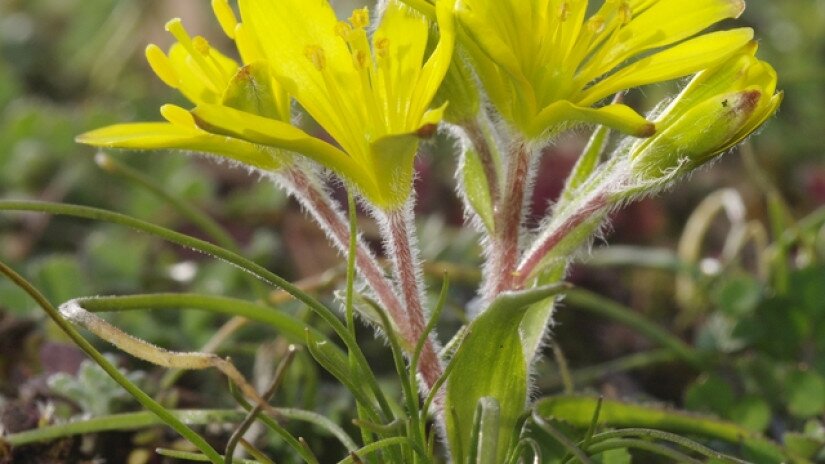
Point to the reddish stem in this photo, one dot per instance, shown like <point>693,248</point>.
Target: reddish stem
<point>318,203</point>
<point>548,242</point>
<point>501,264</point>
<point>408,278</point>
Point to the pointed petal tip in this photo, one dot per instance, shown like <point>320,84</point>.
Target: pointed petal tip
<point>738,7</point>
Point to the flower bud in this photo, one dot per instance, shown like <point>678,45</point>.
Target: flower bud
<point>718,109</point>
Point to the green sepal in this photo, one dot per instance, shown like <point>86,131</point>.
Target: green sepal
<point>476,189</point>
<point>393,157</point>
<point>250,90</point>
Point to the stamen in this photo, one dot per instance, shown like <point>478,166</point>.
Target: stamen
<point>564,11</point>
<point>360,18</point>
<point>316,55</point>
<point>625,13</point>
<point>360,59</point>
<point>596,24</point>
<point>226,17</point>
<point>162,66</point>
<point>201,45</point>
<point>382,47</point>
<point>196,50</point>
<point>343,30</point>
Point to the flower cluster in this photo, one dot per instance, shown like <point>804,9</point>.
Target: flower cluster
<point>507,77</point>
<point>371,93</point>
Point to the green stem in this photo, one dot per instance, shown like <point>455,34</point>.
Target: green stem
<point>605,307</point>
<point>289,326</point>
<point>665,436</point>
<point>194,457</point>
<point>221,253</point>
<point>562,439</point>
<point>366,436</point>
<point>145,400</point>
<point>121,423</point>
<point>374,447</point>
<point>652,447</point>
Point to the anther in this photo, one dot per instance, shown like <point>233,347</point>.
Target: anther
<point>343,30</point>
<point>625,13</point>
<point>316,55</point>
<point>360,59</point>
<point>360,18</point>
<point>382,47</point>
<point>564,11</point>
<point>201,45</point>
<point>596,24</point>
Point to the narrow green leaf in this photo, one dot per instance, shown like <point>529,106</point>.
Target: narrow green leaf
<point>335,362</point>
<point>121,422</point>
<point>483,448</point>
<point>577,410</point>
<point>491,363</point>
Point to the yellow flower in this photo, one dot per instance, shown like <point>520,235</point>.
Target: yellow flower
<point>372,94</point>
<point>718,109</point>
<point>545,64</point>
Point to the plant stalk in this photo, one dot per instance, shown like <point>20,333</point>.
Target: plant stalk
<point>545,244</point>
<point>500,268</point>
<point>317,202</point>
<point>398,231</point>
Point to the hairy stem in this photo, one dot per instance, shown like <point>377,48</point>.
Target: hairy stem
<point>398,232</point>
<point>503,257</point>
<point>318,203</point>
<point>546,242</point>
<point>484,147</point>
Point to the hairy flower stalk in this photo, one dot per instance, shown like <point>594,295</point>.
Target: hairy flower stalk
<point>398,230</point>
<point>500,269</point>
<point>314,197</point>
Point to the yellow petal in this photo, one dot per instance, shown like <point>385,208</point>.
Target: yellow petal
<point>669,21</point>
<point>492,26</point>
<point>162,66</point>
<point>403,33</point>
<point>270,132</point>
<point>616,116</point>
<point>155,136</point>
<point>436,67</point>
<point>287,30</point>
<point>680,60</point>
<point>226,17</point>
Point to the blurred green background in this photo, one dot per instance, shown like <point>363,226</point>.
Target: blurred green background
<point>68,66</point>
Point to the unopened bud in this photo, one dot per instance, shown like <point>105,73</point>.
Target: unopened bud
<point>698,136</point>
